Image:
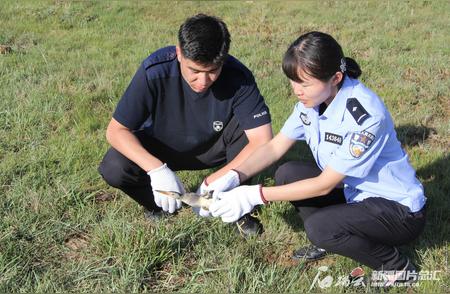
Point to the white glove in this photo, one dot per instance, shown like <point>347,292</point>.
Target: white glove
<point>203,188</point>
<point>232,205</point>
<point>164,179</point>
<point>201,212</point>
<point>226,182</point>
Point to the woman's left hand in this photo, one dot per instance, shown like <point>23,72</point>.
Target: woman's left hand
<point>232,205</point>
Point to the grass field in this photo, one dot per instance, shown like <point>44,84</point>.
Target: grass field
<point>63,229</point>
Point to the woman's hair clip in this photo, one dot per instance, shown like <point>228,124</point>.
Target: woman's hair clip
<point>343,65</point>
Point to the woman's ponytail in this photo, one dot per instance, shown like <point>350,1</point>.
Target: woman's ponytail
<point>352,68</point>
<point>320,56</point>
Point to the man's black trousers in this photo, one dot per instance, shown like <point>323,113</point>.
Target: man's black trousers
<point>120,172</point>
<point>367,231</point>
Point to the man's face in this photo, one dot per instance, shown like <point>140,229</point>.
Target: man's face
<point>199,76</point>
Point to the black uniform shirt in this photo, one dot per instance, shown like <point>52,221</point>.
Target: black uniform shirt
<point>160,101</point>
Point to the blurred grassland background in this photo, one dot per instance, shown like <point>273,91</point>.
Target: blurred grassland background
<point>63,229</point>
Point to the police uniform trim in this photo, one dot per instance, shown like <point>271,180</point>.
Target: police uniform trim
<point>357,111</point>
<point>360,142</point>
<point>305,119</point>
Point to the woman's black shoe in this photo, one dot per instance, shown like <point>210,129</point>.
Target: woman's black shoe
<point>309,253</point>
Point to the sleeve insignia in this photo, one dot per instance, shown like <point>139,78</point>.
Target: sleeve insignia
<point>360,142</point>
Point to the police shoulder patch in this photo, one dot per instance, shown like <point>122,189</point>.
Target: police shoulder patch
<point>360,142</point>
<point>357,110</point>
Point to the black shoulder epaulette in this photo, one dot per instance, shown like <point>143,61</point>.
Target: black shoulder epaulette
<point>357,110</point>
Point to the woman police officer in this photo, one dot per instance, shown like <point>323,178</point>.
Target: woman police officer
<point>362,199</point>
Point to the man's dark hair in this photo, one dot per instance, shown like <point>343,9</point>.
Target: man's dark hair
<point>318,55</point>
<point>204,39</point>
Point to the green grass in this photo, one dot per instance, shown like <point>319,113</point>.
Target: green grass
<point>71,62</point>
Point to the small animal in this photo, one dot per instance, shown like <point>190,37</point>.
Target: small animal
<point>191,199</point>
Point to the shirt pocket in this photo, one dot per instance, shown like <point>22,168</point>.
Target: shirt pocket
<point>330,141</point>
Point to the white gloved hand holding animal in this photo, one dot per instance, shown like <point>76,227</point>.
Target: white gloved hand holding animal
<point>228,181</point>
<point>164,179</point>
<point>232,205</point>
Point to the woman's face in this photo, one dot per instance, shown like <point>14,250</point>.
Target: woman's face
<point>312,92</point>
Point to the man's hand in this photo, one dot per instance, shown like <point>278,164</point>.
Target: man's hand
<point>228,181</point>
<point>164,179</point>
<point>232,205</point>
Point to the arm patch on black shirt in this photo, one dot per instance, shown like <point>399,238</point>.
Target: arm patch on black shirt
<point>357,110</point>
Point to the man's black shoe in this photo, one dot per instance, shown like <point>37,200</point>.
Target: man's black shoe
<point>309,253</point>
<point>249,226</point>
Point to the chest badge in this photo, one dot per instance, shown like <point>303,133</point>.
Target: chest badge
<point>305,119</point>
<point>333,138</point>
<point>217,125</point>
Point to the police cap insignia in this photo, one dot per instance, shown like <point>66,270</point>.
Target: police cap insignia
<point>360,142</point>
<point>305,119</point>
<point>357,110</point>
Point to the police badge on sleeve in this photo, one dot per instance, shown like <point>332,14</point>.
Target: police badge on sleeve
<point>360,142</point>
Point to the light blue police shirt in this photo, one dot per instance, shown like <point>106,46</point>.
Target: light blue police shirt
<point>355,136</point>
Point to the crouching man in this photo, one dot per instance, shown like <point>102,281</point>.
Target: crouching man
<point>188,107</point>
